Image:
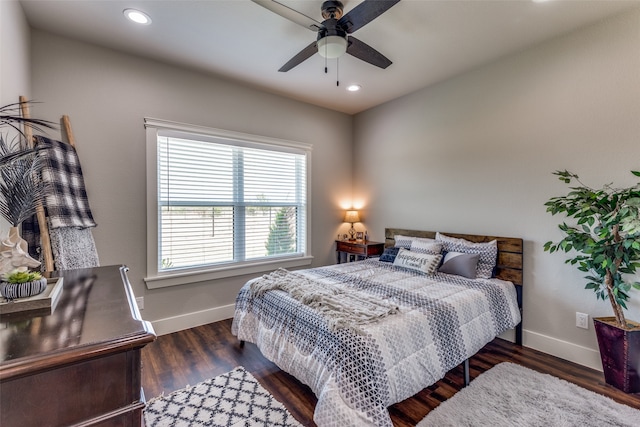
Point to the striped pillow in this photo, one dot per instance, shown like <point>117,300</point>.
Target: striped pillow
<point>405,241</point>
<point>426,247</point>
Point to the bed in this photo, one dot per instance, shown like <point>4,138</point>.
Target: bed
<point>365,335</point>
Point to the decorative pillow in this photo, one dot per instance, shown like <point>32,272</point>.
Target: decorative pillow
<point>488,252</point>
<point>426,247</point>
<point>460,264</point>
<point>416,261</point>
<point>405,241</point>
<point>389,254</point>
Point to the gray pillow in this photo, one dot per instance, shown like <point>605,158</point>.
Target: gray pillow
<point>488,252</point>
<point>460,264</point>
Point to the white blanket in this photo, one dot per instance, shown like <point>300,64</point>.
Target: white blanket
<point>343,307</point>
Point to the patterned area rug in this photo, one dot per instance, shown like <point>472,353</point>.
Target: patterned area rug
<point>233,399</point>
<point>512,395</point>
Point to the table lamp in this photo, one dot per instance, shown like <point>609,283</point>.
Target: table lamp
<point>352,217</point>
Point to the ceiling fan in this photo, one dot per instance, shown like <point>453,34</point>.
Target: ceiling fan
<point>334,33</point>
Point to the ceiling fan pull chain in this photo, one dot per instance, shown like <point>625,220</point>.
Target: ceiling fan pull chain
<point>326,70</point>
<point>337,71</point>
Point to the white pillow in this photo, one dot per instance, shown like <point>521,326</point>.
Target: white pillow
<point>488,252</point>
<point>426,247</point>
<point>426,263</point>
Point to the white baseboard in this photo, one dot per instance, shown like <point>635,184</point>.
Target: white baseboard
<point>565,350</point>
<point>169,325</point>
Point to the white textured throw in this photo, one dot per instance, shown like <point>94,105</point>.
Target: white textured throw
<point>510,395</point>
<point>73,248</point>
<point>343,308</point>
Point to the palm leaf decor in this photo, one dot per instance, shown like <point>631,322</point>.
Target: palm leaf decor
<point>21,188</point>
<point>11,117</point>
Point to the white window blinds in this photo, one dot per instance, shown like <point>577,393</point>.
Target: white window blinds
<point>222,201</point>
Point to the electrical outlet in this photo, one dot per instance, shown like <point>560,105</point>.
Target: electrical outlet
<point>140,302</point>
<point>582,320</point>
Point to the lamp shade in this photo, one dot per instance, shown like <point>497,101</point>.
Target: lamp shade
<point>351,216</point>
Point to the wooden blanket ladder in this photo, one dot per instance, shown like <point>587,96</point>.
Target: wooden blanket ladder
<point>67,135</point>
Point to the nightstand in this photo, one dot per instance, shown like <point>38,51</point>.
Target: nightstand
<point>357,249</point>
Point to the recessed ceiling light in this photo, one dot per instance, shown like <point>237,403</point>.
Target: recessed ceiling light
<point>354,88</point>
<point>137,16</point>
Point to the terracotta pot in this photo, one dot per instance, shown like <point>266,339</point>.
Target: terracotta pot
<point>620,353</point>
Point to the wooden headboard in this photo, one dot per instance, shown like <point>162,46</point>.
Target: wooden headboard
<point>509,266</point>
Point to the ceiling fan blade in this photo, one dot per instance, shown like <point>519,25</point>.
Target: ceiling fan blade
<point>290,14</point>
<point>363,51</point>
<point>364,13</point>
<point>302,56</point>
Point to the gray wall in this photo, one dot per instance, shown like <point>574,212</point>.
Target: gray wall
<point>107,94</point>
<point>14,62</point>
<point>475,154</point>
<point>14,53</point>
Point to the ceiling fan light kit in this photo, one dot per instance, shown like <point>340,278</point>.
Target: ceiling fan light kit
<point>332,46</point>
<point>334,39</point>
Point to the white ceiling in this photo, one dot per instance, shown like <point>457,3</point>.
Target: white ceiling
<point>427,40</point>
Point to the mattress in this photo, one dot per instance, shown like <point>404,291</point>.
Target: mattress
<point>358,370</point>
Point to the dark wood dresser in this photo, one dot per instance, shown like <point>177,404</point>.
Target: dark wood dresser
<point>79,365</point>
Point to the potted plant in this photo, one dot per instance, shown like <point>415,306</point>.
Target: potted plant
<point>20,186</point>
<point>21,283</point>
<point>605,238</point>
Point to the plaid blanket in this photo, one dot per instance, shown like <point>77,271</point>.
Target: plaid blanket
<point>67,204</point>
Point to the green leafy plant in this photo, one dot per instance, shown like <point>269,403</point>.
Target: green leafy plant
<point>19,276</point>
<point>605,235</point>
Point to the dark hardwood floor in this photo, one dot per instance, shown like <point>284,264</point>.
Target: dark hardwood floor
<point>188,357</point>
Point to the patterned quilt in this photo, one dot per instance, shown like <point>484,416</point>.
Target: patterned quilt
<point>356,373</point>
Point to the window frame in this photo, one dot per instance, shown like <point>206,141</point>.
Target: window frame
<point>159,279</point>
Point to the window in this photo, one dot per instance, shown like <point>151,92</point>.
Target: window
<point>222,203</point>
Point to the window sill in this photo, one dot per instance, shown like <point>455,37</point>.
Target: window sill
<point>189,277</point>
